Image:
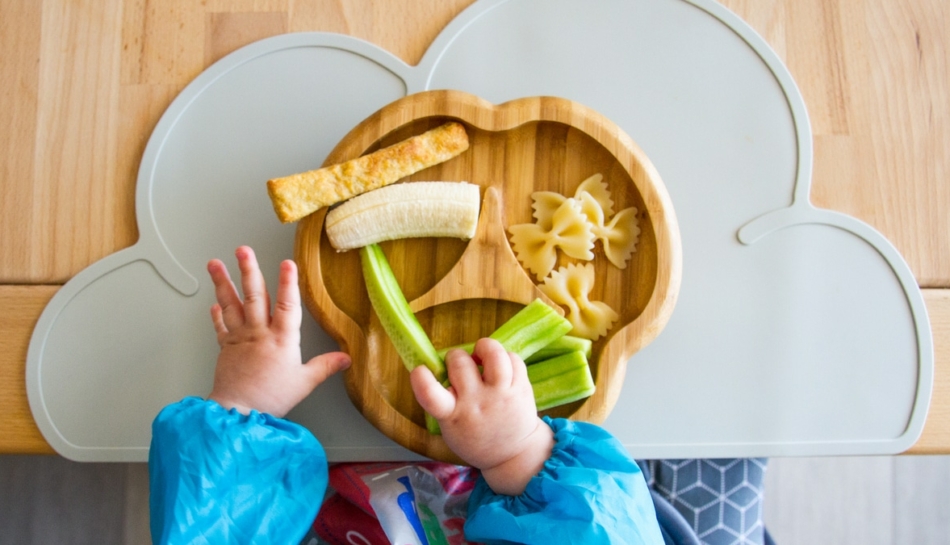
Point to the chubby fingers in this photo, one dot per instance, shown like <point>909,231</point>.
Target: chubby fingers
<point>497,363</point>
<point>230,313</point>
<point>287,311</point>
<point>463,372</point>
<point>256,299</point>
<point>322,367</point>
<point>432,396</point>
<point>217,319</point>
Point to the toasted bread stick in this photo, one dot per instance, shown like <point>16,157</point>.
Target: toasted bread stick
<point>301,194</point>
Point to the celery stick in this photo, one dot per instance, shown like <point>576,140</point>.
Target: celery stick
<point>411,342</point>
<point>561,380</point>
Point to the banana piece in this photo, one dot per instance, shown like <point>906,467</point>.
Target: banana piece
<point>405,210</point>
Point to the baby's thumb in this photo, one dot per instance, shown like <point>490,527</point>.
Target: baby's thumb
<point>324,366</point>
<point>432,396</point>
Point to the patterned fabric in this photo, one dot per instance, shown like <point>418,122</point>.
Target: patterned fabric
<point>720,499</point>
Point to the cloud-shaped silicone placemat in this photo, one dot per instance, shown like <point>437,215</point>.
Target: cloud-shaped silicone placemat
<point>802,332</point>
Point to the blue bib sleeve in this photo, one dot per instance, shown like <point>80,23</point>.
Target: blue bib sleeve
<point>217,476</point>
<point>589,491</point>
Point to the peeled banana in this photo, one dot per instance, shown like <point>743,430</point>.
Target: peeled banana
<point>405,210</point>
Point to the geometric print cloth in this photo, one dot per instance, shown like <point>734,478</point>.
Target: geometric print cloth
<point>721,499</point>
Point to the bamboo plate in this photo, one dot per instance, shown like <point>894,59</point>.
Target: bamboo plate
<point>463,290</point>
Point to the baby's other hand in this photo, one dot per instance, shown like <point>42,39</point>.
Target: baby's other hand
<point>488,419</point>
<point>259,366</point>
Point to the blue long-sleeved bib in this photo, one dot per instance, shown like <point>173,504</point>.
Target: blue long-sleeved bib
<point>217,476</point>
<point>589,491</point>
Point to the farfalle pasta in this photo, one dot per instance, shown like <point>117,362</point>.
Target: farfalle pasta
<point>571,286</point>
<point>545,203</point>
<point>618,234</point>
<point>574,225</point>
<point>597,188</point>
<point>536,245</point>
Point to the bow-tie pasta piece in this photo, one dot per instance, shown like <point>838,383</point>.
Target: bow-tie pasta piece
<point>536,245</point>
<point>596,187</point>
<point>571,286</point>
<point>619,236</point>
<point>545,203</point>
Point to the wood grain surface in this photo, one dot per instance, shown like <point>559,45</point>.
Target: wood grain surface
<point>516,148</point>
<point>20,308</point>
<point>86,82</point>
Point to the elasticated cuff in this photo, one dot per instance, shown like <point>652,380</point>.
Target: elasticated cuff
<point>589,491</point>
<point>219,476</point>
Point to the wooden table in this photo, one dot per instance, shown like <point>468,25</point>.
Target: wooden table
<point>84,83</point>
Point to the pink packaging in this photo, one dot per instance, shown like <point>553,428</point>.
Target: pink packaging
<point>412,504</point>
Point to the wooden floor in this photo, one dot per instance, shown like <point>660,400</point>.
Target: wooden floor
<point>868,501</point>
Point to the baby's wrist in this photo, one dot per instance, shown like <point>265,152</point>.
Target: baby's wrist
<point>228,404</point>
<point>511,477</point>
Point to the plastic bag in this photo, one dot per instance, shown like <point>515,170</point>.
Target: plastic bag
<point>414,504</point>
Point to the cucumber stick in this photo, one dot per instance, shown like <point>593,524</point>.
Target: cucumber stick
<point>561,380</point>
<point>563,345</point>
<point>432,425</point>
<point>531,329</point>
<point>400,324</point>
<point>468,347</point>
<point>556,381</point>
<point>560,346</point>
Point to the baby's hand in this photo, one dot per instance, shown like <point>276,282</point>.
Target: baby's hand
<point>259,366</point>
<point>490,419</point>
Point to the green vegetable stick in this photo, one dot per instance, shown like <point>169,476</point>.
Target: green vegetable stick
<point>411,342</point>
<point>556,381</point>
<point>535,328</point>
<point>561,380</point>
<point>432,425</point>
<point>468,347</point>
<point>563,345</point>
<point>531,329</point>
